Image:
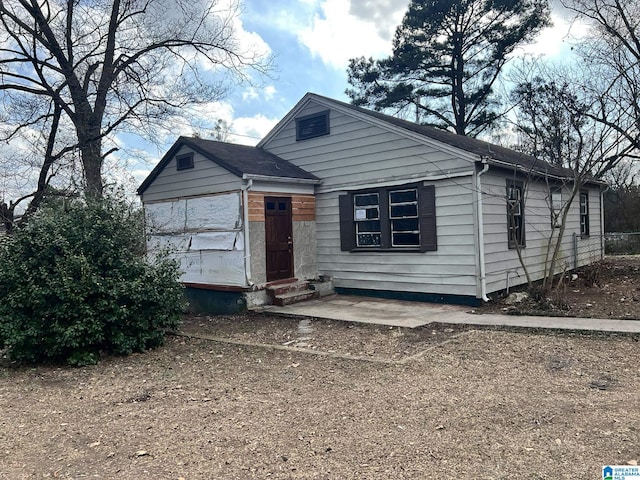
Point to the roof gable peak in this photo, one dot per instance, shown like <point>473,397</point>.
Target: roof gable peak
<point>240,160</point>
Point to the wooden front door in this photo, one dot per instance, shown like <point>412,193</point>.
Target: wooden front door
<point>279,238</point>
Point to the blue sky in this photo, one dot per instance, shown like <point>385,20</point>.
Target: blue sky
<point>311,42</point>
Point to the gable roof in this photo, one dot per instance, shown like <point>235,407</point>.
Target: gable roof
<point>241,160</point>
<point>494,154</point>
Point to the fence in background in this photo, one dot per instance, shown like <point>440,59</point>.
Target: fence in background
<point>587,250</point>
<point>622,243</point>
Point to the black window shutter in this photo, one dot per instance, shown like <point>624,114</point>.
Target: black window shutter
<point>428,236</point>
<point>347,225</point>
<point>511,227</point>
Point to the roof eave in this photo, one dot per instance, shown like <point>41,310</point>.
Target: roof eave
<point>539,172</point>
<point>214,158</point>
<point>269,178</point>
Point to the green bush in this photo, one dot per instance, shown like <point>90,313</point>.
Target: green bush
<point>75,283</point>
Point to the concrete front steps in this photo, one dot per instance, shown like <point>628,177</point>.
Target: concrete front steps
<point>293,291</point>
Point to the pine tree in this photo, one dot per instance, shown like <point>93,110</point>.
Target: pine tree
<point>447,56</point>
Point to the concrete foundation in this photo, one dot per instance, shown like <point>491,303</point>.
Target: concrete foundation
<point>214,302</point>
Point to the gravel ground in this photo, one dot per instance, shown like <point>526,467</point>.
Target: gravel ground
<point>452,404</point>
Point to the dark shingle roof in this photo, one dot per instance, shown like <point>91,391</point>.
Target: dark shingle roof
<point>242,159</point>
<point>237,159</point>
<point>495,154</point>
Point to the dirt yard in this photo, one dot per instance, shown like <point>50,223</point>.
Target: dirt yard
<point>258,396</point>
<point>609,289</point>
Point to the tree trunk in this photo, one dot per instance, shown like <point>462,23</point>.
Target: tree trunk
<point>6,217</point>
<point>549,274</point>
<point>458,99</point>
<point>91,155</point>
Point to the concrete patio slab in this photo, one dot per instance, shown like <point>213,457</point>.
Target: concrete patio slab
<point>370,310</point>
<point>414,314</point>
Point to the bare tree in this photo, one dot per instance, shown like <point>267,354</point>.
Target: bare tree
<point>557,122</point>
<point>611,52</point>
<point>600,137</point>
<point>622,199</point>
<point>221,130</point>
<point>111,65</point>
<point>36,162</point>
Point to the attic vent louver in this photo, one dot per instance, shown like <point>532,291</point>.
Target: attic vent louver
<point>183,162</point>
<point>311,126</point>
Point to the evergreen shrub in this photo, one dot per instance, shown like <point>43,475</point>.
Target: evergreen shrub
<point>75,283</point>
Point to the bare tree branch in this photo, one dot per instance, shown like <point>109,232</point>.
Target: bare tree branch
<point>112,65</point>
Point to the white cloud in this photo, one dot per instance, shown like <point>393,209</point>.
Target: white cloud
<point>139,175</point>
<point>201,121</point>
<point>250,130</point>
<point>386,15</point>
<point>337,30</point>
<point>269,92</point>
<point>250,94</point>
<point>219,22</point>
<point>244,131</point>
<point>21,161</point>
<point>250,42</point>
<point>556,41</point>
<point>341,31</point>
<point>253,93</point>
<point>198,120</point>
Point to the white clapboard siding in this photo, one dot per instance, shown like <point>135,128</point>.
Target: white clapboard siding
<point>206,177</point>
<point>451,270</point>
<point>503,263</point>
<point>357,152</point>
<point>590,248</point>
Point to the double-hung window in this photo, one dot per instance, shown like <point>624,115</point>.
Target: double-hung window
<point>367,219</point>
<point>403,217</point>
<point>515,214</point>
<point>584,213</point>
<point>389,218</point>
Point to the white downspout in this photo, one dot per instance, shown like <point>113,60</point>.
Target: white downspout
<point>602,232</point>
<point>245,227</point>
<point>483,275</point>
